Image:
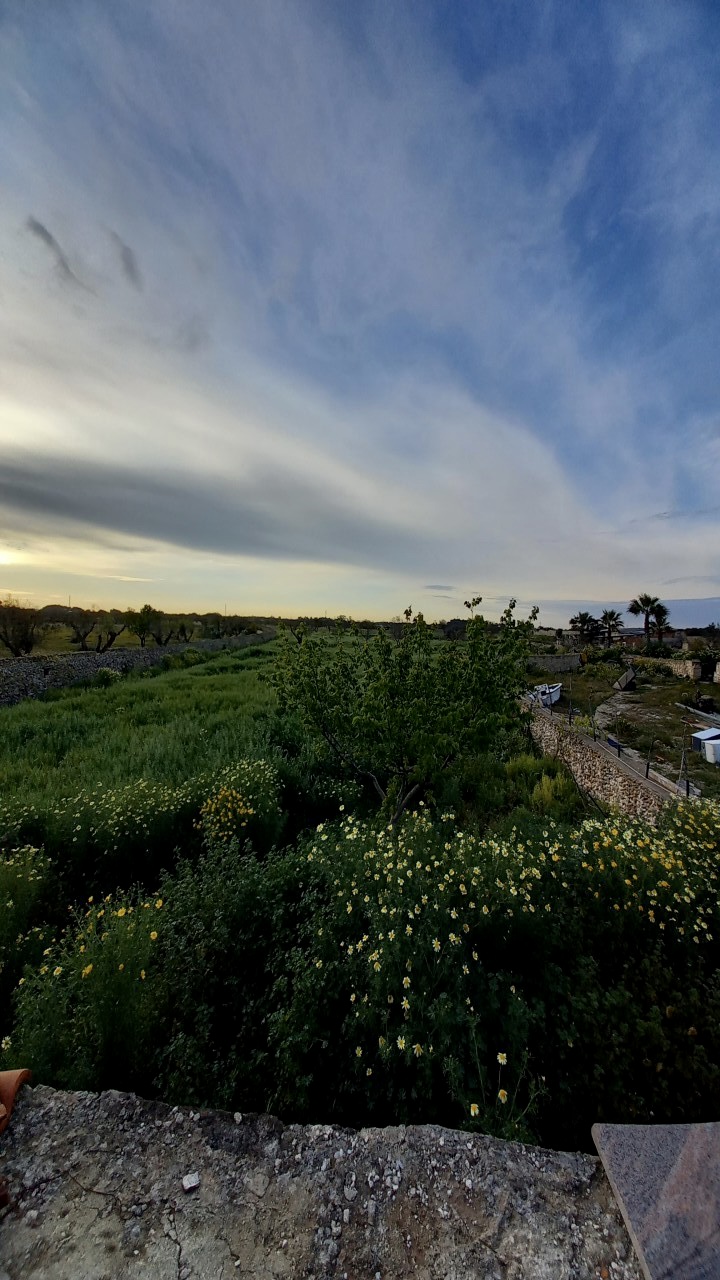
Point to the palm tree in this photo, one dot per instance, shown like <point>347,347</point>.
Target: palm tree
<point>660,620</point>
<point>645,605</point>
<point>585,625</point>
<point>611,620</point>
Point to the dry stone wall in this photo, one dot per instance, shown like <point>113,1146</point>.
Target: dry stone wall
<point>32,676</point>
<point>555,662</point>
<point>597,770</point>
<point>683,668</point>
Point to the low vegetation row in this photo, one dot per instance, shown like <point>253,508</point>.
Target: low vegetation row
<point>331,879</point>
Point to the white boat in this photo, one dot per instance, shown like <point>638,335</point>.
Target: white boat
<point>546,694</point>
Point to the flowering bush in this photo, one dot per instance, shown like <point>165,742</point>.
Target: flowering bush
<point>24,877</point>
<point>588,957</point>
<point>243,791</point>
<point>23,874</point>
<point>87,1015</point>
<point>527,984</point>
<point>122,834</point>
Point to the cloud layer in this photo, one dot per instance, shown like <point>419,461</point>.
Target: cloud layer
<point>407,296</point>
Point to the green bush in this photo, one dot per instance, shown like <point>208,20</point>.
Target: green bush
<point>118,836</point>
<point>106,676</point>
<point>25,881</point>
<point>87,1017</point>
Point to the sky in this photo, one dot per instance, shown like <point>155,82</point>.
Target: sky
<point>339,307</point>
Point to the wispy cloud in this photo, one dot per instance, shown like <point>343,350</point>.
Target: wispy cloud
<point>41,232</point>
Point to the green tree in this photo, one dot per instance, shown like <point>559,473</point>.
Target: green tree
<point>110,626</point>
<point>611,621</point>
<point>82,623</point>
<point>140,622</point>
<point>186,630</point>
<point>644,605</point>
<point>163,629</point>
<point>398,713</point>
<point>20,628</point>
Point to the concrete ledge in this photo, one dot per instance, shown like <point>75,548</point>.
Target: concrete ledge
<point>96,1190</point>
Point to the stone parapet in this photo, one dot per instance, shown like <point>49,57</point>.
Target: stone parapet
<point>107,1185</point>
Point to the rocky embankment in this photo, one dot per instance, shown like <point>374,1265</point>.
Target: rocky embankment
<point>109,1185</point>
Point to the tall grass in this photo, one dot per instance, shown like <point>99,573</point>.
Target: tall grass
<point>165,728</point>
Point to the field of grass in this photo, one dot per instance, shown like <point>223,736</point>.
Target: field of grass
<point>164,727</point>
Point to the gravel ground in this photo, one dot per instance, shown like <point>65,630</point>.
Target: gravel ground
<point>95,1185</point>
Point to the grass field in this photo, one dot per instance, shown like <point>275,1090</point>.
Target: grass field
<point>166,727</point>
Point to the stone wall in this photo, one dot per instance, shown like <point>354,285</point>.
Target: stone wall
<point>555,662</point>
<point>683,668</point>
<point>32,676</point>
<point>597,770</point>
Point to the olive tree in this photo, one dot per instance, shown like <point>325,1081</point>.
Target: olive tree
<point>397,713</point>
<point>20,628</point>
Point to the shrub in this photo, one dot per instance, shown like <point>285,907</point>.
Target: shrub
<point>87,1017</point>
<point>24,885</point>
<point>117,836</point>
<point>106,676</point>
<point>232,922</point>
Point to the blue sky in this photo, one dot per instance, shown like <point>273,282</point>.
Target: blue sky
<point>317,307</point>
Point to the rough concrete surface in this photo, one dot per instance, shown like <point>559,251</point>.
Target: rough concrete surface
<point>95,1186</point>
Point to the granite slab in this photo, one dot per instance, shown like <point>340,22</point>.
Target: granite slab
<point>666,1179</point>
